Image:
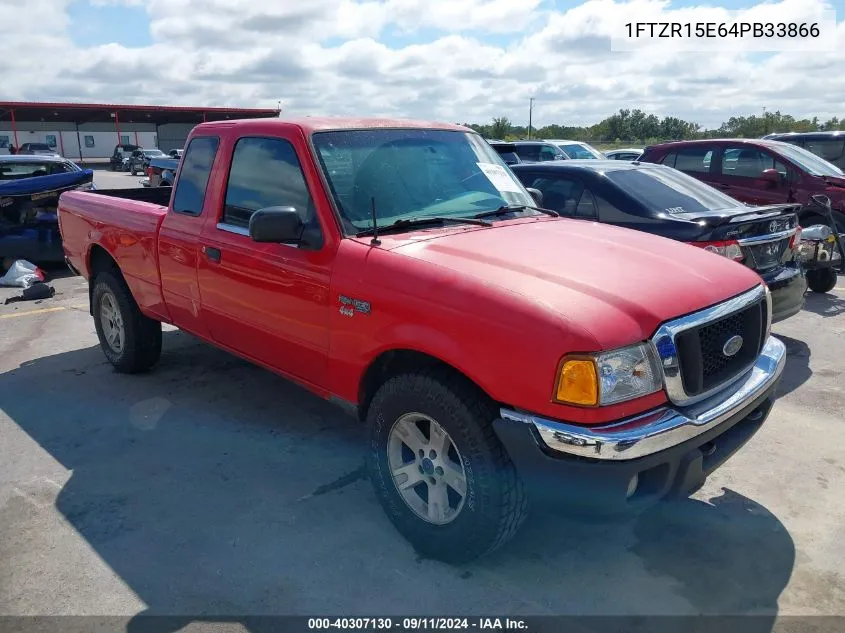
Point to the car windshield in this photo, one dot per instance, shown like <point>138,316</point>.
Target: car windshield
<point>670,191</point>
<point>10,170</point>
<point>578,151</point>
<point>153,152</point>
<point>815,165</point>
<point>413,173</point>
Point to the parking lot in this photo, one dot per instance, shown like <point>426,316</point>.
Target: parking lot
<point>210,486</point>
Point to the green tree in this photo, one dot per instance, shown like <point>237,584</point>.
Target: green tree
<point>500,127</point>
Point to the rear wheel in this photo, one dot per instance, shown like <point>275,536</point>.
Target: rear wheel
<point>438,469</point>
<point>130,340</point>
<point>822,280</point>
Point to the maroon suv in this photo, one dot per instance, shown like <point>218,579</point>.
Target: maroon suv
<point>758,172</point>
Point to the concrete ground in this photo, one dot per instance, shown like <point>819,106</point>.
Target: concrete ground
<point>104,179</point>
<point>211,488</point>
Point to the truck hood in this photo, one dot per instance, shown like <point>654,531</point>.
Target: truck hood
<point>617,284</point>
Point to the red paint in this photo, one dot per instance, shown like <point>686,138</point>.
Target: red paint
<point>758,191</point>
<point>502,304</point>
<point>14,128</point>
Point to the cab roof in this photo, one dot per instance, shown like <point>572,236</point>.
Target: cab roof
<point>324,124</point>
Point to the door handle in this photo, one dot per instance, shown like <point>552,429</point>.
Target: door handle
<point>211,253</point>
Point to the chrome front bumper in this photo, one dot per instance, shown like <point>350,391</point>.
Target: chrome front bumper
<point>661,428</point>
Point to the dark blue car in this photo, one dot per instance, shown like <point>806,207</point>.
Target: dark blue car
<point>30,186</point>
<point>667,202</point>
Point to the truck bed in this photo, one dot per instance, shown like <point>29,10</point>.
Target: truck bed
<point>124,222</point>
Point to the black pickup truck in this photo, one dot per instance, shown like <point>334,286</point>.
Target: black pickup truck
<point>664,201</point>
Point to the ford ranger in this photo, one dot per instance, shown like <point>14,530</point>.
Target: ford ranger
<point>496,352</point>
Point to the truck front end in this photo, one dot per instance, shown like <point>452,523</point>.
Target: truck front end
<point>719,368</point>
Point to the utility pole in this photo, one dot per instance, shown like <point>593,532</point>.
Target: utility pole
<point>530,115</point>
<point>765,121</point>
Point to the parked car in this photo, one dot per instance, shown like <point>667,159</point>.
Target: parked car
<point>577,149</point>
<point>759,172</point>
<point>628,153</point>
<point>139,159</point>
<point>666,202</point>
<point>530,151</point>
<point>827,145</point>
<point>119,160</point>
<point>37,149</point>
<point>30,186</point>
<point>400,270</point>
<point>507,151</point>
<point>161,172</point>
<point>175,153</point>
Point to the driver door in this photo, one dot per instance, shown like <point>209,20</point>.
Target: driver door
<point>741,176</point>
<point>269,302</point>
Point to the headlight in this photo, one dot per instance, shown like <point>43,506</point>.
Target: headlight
<point>609,377</point>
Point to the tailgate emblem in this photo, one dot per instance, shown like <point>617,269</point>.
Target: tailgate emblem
<point>732,346</point>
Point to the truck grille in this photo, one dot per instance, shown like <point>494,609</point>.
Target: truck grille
<point>704,357</point>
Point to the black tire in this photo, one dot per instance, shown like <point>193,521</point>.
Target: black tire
<point>495,504</point>
<point>822,280</point>
<point>141,340</point>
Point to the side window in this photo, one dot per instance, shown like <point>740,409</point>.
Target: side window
<point>193,179</point>
<point>528,152</point>
<point>586,206</point>
<point>829,149</point>
<point>548,153</point>
<point>265,172</point>
<point>693,159</point>
<point>669,159</point>
<point>747,162</point>
<point>561,194</point>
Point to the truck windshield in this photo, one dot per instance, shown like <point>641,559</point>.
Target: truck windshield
<point>413,173</point>
<point>666,190</point>
<point>815,165</point>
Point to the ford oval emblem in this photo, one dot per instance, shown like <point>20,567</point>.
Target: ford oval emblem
<point>732,346</point>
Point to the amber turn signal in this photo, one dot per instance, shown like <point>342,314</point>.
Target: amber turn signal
<point>578,383</point>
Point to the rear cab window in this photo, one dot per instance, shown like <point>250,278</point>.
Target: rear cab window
<point>189,196</point>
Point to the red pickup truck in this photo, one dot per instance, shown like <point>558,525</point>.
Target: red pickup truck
<point>495,351</point>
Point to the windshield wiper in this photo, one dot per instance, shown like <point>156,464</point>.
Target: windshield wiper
<point>510,208</point>
<point>406,223</point>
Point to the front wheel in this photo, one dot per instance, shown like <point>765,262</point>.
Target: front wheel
<point>822,280</point>
<point>438,469</point>
<point>130,340</point>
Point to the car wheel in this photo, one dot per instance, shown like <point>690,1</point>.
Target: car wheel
<point>438,469</point>
<point>822,280</point>
<point>130,340</point>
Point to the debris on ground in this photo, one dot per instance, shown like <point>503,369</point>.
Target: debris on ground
<point>38,290</point>
<point>22,274</point>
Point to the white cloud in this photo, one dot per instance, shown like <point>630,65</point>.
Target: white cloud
<point>485,59</point>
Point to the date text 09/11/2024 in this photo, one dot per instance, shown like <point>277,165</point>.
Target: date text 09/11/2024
<point>417,624</point>
<point>767,30</point>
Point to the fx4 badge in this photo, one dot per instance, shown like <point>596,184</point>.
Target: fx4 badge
<point>349,306</point>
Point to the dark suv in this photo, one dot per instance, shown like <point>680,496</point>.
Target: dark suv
<point>759,172</point>
<point>828,145</point>
<point>529,151</point>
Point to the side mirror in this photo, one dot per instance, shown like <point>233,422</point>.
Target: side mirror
<point>275,224</point>
<point>537,195</point>
<point>772,176</point>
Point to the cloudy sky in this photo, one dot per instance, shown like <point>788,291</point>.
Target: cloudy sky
<point>454,60</point>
